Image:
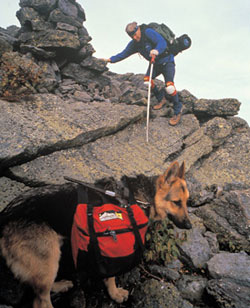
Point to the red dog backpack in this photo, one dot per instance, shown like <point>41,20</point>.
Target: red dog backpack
<point>108,240</point>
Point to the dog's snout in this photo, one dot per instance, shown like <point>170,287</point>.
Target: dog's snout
<point>187,224</point>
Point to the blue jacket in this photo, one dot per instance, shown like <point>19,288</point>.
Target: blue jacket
<point>149,40</point>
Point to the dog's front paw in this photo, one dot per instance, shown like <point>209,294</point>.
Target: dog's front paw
<point>119,295</point>
<point>62,286</point>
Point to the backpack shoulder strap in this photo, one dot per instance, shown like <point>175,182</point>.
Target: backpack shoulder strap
<point>138,239</point>
<point>143,26</point>
<point>82,195</point>
<point>92,233</point>
<point>94,248</point>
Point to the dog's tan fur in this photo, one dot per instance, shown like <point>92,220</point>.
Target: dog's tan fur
<point>170,199</point>
<point>171,196</point>
<point>32,251</point>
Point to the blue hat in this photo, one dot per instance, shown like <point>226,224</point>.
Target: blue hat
<point>132,28</point>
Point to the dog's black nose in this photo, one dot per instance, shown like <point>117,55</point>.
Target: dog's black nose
<point>188,224</point>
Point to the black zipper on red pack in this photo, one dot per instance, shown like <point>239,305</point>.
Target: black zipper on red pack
<point>112,233</point>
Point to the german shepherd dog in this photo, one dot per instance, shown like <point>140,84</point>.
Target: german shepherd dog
<point>32,250</point>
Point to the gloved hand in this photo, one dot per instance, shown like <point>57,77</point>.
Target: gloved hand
<point>154,53</point>
<point>106,60</point>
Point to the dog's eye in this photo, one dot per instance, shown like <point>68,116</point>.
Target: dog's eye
<point>178,203</point>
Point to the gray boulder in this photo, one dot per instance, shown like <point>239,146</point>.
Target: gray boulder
<point>228,217</point>
<point>195,251</point>
<point>53,38</point>
<point>37,52</point>
<point>228,294</point>
<point>49,132</point>
<point>94,160</point>
<point>58,16</point>
<point>153,293</point>
<point>231,284</point>
<point>31,20</point>
<point>10,189</point>
<point>234,266</point>
<point>4,46</point>
<point>218,107</point>
<point>7,39</point>
<point>228,163</point>
<point>192,288</point>
<point>217,129</point>
<point>43,6</point>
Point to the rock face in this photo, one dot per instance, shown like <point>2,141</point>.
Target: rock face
<point>231,278</point>
<point>228,217</point>
<point>49,24</point>
<point>52,36</point>
<point>62,113</point>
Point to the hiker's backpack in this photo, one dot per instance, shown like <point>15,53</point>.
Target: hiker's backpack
<point>108,240</point>
<point>175,45</point>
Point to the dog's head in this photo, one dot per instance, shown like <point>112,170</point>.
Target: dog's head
<point>171,197</point>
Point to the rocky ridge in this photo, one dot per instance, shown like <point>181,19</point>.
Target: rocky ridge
<point>81,120</point>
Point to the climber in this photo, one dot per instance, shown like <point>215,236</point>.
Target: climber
<point>150,43</point>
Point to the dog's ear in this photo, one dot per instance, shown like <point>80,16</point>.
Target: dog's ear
<point>160,182</point>
<point>171,172</point>
<point>181,173</point>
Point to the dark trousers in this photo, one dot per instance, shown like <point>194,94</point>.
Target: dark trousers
<point>168,71</point>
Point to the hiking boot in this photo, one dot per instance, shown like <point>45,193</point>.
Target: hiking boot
<point>175,119</point>
<point>160,105</point>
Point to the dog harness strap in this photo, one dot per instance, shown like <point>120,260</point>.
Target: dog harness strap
<point>138,239</point>
<point>92,235</point>
<point>82,196</point>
